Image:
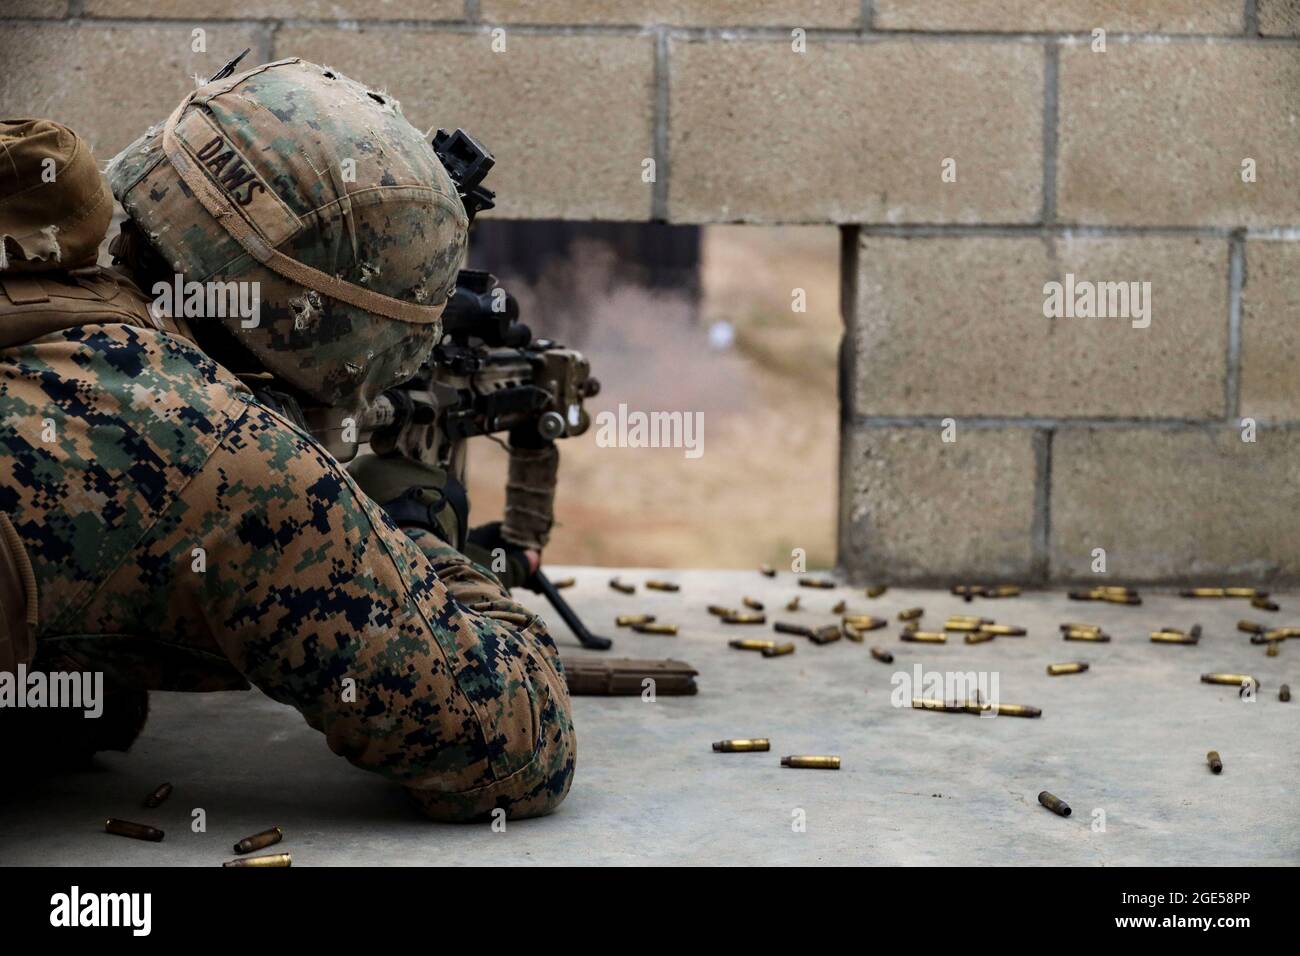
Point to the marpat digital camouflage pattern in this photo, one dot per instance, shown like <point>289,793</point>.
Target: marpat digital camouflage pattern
<point>186,537</point>
<point>330,173</point>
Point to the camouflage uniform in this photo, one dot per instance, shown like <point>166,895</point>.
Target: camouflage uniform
<point>186,536</point>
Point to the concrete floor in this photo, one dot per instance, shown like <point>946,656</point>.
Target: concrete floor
<point>1128,738</point>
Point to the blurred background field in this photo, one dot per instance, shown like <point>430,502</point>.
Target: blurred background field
<point>767,480</point>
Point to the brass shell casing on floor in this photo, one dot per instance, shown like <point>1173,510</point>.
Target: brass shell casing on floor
<point>1070,667</point>
<point>751,644</point>
<point>1054,803</point>
<point>136,831</point>
<point>259,841</point>
<point>742,745</point>
<point>811,762</point>
<point>923,637</point>
<point>270,860</point>
<point>667,629</point>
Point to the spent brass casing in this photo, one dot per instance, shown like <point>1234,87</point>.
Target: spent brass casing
<point>1132,599</point>
<point>1070,667</point>
<point>778,650</point>
<point>923,637</point>
<point>824,583</point>
<point>270,860</point>
<point>952,625</point>
<point>742,745</point>
<point>260,841</point>
<point>911,613</point>
<point>876,590</point>
<point>968,592</point>
<point>1003,630</point>
<point>1112,595</point>
<point>619,586</point>
<point>717,610</point>
<point>156,798</point>
<point>1095,628</point>
<point>745,618</point>
<point>882,655</point>
<point>1232,680</point>
<point>1216,762</point>
<point>1095,636</point>
<point>1018,710</point>
<point>1054,803</point>
<point>1282,633</point>
<point>826,635</point>
<point>136,831</point>
<point>1284,693</point>
<point>767,571</point>
<point>781,627</point>
<point>668,629</point>
<point>1172,637</point>
<point>663,586</point>
<point>627,620</point>
<point>564,583</point>
<point>1264,604</point>
<point>811,762</point>
<point>929,703</point>
<point>751,644</point>
<point>852,633</point>
<point>979,637</point>
<point>864,622</point>
<point>1245,592</point>
<point>1206,593</point>
<point>1002,591</point>
<point>752,604</point>
<point>792,604</point>
<point>1251,627</point>
<point>839,607</point>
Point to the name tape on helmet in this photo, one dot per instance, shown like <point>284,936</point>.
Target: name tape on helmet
<point>237,178</point>
<point>257,235</point>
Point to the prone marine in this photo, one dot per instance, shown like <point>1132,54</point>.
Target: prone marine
<point>162,521</point>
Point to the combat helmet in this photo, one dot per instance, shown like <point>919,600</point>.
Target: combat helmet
<point>317,188</point>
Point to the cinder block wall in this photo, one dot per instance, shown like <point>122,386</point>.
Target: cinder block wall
<point>1070,434</point>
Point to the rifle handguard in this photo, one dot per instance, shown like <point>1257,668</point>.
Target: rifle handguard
<point>530,496</point>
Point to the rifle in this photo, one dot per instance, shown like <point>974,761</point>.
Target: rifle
<point>488,375</point>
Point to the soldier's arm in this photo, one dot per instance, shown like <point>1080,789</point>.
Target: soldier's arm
<point>413,662</point>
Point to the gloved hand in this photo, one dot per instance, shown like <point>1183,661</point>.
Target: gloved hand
<point>512,564</point>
